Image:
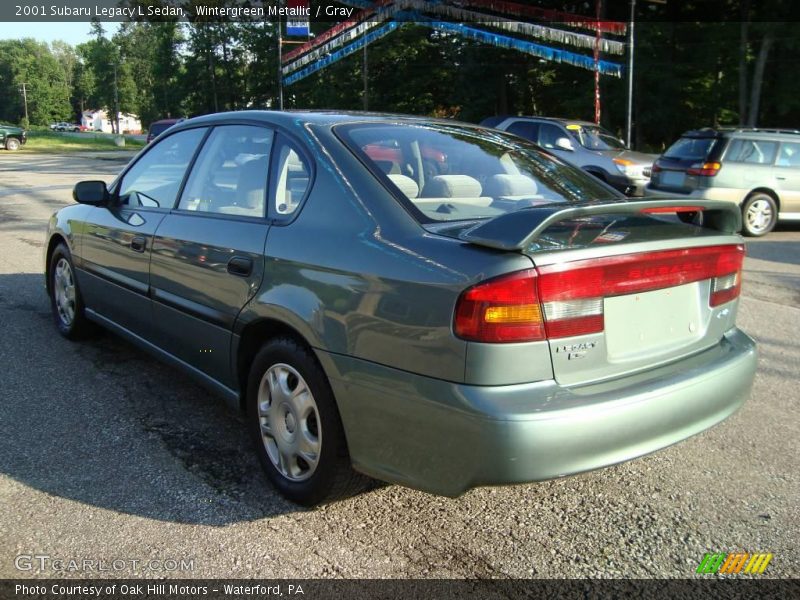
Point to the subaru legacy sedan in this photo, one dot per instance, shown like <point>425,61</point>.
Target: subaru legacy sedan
<point>504,318</point>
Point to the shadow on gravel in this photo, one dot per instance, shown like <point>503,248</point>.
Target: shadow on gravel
<point>101,423</point>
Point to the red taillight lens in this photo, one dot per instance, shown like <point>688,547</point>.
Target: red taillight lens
<point>708,169</point>
<point>505,309</point>
<point>565,300</point>
<point>656,168</point>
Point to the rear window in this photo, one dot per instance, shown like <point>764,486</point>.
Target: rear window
<point>688,148</point>
<point>450,172</point>
<point>159,128</point>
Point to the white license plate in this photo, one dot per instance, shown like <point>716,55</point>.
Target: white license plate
<point>653,323</point>
<point>673,178</point>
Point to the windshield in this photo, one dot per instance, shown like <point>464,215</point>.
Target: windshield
<point>688,148</point>
<point>451,172</point>
<point>596,138</point>
<point>159,128</point>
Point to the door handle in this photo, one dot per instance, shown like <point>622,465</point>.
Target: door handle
<point>240,266</point>
<point>781,178</point>
<point>138,244</point>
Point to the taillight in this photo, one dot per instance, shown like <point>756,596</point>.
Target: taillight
<point>566,300</point>
<point>656,168</point>
<point>505,309</point>
<point>708,169</point>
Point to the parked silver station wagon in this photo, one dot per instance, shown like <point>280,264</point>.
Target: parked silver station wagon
<point>756,169</point>
<point>505,318</point>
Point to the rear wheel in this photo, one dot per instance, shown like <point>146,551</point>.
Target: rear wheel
<point>12,144</point>
<point>759,215</point>
<point>296,426</point>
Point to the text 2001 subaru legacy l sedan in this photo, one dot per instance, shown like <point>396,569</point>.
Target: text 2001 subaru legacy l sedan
<point>490,315</point>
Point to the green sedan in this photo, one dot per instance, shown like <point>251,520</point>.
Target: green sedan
<point>423,302</point>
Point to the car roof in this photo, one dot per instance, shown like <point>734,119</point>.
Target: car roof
<point>491,121</point>
<point>745,132</point>
<point>298,118</point>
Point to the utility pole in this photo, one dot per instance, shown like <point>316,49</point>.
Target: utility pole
<point>597,41</point>
<point>629,118</point>
<point>25,100</point>
<point>116,99</point>
<point>280,64</point>
<point>366,90</point>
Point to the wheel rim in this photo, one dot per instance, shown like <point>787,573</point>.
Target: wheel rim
<point>13,145</point>
<point>289,422</point>
<point>759,216</point>
<point>64,291</point>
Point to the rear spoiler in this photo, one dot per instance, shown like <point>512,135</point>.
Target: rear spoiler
<point>519,229</point>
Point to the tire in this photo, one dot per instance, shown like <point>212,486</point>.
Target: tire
<point>295,425</point>
<point>66,302</point>
<point>759,215</point>
<point>12,144</point>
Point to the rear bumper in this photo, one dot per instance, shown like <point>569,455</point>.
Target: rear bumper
<point>712,193</point>
<point>446,438</point>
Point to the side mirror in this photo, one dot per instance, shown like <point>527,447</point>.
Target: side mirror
<point>563,143</point>
<point>91,192</point>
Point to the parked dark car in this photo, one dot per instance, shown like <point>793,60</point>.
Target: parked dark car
<point>758,170</point>
<point>12,137</point>
<point>159,127</point>
<point>512,320</point>
<point>587,145</point>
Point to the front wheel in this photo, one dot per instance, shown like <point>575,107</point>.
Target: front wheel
<point>759,215</point>
<point>65,297</point>
<point>12,144</point>
<point>296,426</point>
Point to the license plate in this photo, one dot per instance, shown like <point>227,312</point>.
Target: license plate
<point>672,178</point>
<point>653,323</point>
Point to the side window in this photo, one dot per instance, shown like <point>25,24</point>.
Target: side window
<point>789,156</point>
<point>548,134</point>
<point>155,179</point>
<point>754,152</point>
<point>230,175</point>
<point>525,129</point>
<point>292,177</point>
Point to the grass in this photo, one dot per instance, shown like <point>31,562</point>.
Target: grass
<point>46,142</point>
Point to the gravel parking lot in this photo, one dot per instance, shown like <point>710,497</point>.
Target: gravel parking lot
<point>105,454</point>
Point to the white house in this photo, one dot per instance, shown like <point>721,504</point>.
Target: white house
<point>98,120</point>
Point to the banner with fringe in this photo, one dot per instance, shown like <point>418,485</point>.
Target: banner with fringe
<point>558,55</point>
<point>343,53</point>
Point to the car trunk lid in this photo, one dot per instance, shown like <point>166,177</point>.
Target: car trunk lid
<point>622,288</point>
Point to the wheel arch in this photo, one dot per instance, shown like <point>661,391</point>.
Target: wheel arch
<point>764,190</point>
<point>55,240</point>
<point>252,338</point>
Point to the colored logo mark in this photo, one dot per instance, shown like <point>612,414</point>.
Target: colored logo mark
<point>736,562</point>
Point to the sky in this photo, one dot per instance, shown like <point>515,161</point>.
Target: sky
<point>72,33</point>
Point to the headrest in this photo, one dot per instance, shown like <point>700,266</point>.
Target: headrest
<point>509,185</point>
<point>406,185</point>
<point>452,186</point>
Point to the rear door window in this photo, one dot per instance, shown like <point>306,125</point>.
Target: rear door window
<point>230,175</point>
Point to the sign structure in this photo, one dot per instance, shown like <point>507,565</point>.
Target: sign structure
<point>297,21</point>
<point>505,24</point>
